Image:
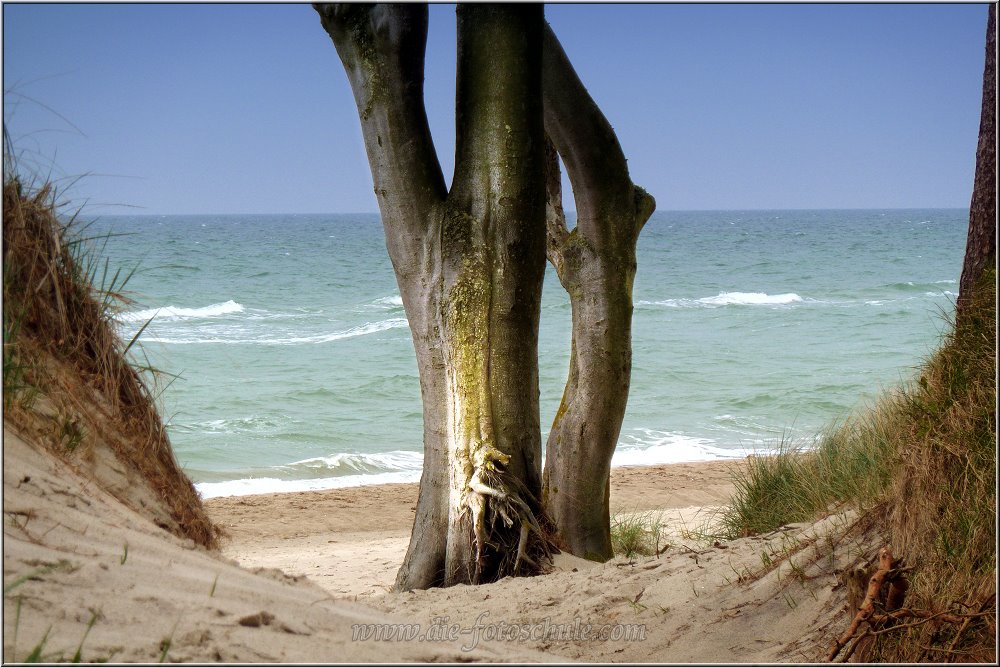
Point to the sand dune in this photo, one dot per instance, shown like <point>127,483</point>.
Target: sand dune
<point>352,541</point>
<point>700,601</point>
<point>316,564</point>
<point>72,552</point>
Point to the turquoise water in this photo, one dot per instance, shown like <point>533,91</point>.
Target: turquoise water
<point>296,368</point>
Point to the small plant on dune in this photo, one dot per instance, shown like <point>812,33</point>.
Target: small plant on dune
<point>636,534</point>
<point>69,432</point>
<point>36,653</point>
<point>167,642</point>
<point>94,615</point>
<point>17,386</point>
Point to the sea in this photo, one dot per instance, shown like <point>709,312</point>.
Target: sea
<point>287,365</point>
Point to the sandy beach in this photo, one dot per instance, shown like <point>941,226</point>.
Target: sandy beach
<point>300,575</point>
<point>351,541</point>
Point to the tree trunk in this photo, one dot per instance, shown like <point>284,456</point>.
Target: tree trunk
<point>596,265</point>
<point>385,70</point>
<point>981,247</point>
<point>469,265</point>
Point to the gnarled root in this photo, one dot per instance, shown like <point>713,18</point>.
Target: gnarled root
<point>489,494</point>
<point>883,607</point>
<point>872,596</point>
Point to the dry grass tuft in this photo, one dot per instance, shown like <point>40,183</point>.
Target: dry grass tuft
<point>60,346</point>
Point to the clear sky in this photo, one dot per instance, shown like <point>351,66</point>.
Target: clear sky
<point>234,108</point>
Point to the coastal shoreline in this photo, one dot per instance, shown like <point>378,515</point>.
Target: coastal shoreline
<point>351,541</point>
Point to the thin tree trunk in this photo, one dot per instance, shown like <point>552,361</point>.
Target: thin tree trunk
<point>981,247</point>
<point>596,265</point>
<point>385,69</point>
<point>469,265</point>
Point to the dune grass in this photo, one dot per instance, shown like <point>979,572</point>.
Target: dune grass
<point>60,342</point>
<point>921,467</point>
<point>636,533</point>
<point>851,465</point>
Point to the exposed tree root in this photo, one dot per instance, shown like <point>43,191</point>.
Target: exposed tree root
<point>882,608</point>
<point>488,494</point>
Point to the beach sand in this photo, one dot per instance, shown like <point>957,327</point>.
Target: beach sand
<point>351,541</point>
<point>299,571</point>
<point>766,598</point>
<point>83,572</point>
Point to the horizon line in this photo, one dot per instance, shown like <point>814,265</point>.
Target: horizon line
<point>669,210</point>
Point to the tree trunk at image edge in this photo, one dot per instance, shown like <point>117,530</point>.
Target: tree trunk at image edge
<point>596,265</point>
<point>981,247</point>
<point>469,264</point>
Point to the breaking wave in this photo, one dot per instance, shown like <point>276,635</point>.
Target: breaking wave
<point>729,299</point>
<point>174,313</point>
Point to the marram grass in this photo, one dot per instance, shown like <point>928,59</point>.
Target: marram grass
<point>60,344</point>
<point>851,465</point>
<point>637,533</point>
<point>921,467</point>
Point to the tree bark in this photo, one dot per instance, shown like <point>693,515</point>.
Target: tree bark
<point>382,50</point>
<point>469,265</point>
<point>596,265</point>
<point>981,246</point>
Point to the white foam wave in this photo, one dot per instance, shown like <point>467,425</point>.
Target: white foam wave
<point>651,447</point>
<point>363,330</point>
<point>252,424</point>
<point>258,485</point>
<point>353,332</point>
<point>643,447</point>
<point>174,313</point>
<point>729,299</point>
<point>394,301</point>
<point>396,461</point>
<point>882,302</point>
<point>751,299</point>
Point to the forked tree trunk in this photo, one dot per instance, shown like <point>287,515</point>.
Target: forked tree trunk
<point>469,265</point>
<point>596,265</point>
<point>981,247</point>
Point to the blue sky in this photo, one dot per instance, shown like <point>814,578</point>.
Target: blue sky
<point>233,108</point>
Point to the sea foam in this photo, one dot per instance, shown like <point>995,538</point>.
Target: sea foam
<point>394,301</point>
<point>646,447</point>
<point>729,299</point>
<point>258,485</point>
<point>353,332</point>
<point>362,330</point>
<point>353,463</point>
<point>326,472</point>
<point>751,299</point>
<point>174,313</point>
